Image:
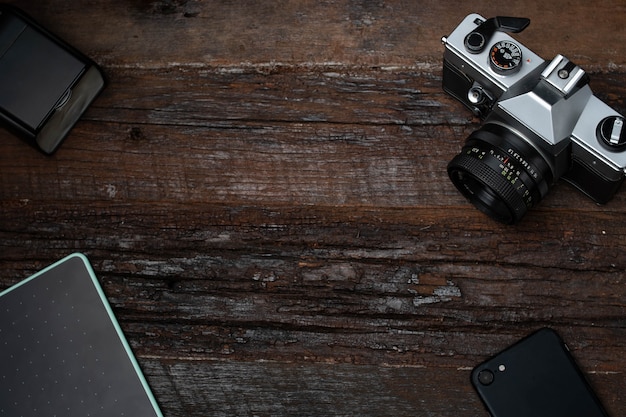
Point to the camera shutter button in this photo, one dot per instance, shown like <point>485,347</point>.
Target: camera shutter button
<point>611,132</point>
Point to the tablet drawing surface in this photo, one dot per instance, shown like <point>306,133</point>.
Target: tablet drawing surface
<point>63,352</point>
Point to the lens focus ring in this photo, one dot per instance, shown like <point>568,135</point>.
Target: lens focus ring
<point>500,173</point>
<point>486,175</point>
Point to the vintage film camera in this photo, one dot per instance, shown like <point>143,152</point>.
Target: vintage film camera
<point>541,122</point>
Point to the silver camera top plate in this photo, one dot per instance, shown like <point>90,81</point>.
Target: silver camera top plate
<point>455,44</point>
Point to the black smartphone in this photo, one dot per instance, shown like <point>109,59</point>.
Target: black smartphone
<point>535,377</point>
<point>45,84</point>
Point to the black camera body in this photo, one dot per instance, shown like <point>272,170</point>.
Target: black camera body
<point>541,122</point>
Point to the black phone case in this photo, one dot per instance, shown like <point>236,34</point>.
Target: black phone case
<point>45,84</point>
<point>536,377</point>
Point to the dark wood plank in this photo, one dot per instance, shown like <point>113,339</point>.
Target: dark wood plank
<point>175,33</point>
<point>318,389</point>
<point>311,389</point>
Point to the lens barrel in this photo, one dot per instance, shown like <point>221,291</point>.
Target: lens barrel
<point>500,173</point>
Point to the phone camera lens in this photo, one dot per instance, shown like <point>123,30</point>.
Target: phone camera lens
<point>485,377</point>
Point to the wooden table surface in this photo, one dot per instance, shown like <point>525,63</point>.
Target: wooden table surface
<point>262,191</point>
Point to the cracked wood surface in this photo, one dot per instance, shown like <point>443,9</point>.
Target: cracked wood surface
<point>262,192</point>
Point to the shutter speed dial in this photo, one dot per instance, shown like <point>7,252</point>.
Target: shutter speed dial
<point>505,57</point>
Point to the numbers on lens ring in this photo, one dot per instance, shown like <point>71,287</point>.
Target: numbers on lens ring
<point>508,164</point>
<point>477,153</point>
<point>513,177</point>
<point>508,169</point>
<point>530,170</point>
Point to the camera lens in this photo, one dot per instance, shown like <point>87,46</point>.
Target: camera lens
<point>500,173</point>
<point>486,377</point>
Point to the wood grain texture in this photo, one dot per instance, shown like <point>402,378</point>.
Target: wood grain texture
<point>262,191</point>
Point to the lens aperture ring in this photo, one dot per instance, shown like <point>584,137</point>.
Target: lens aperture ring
<point>509,170</point>
<point>501,174</point>
<point>516,154</point>
<point>484,169</point>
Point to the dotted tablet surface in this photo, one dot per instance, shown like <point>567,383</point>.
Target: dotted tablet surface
<point>62,352</point>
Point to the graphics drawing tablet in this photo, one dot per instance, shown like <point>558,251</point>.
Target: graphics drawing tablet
<point>62,351</point>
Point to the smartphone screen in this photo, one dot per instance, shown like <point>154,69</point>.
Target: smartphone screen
<point>536,377</point>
